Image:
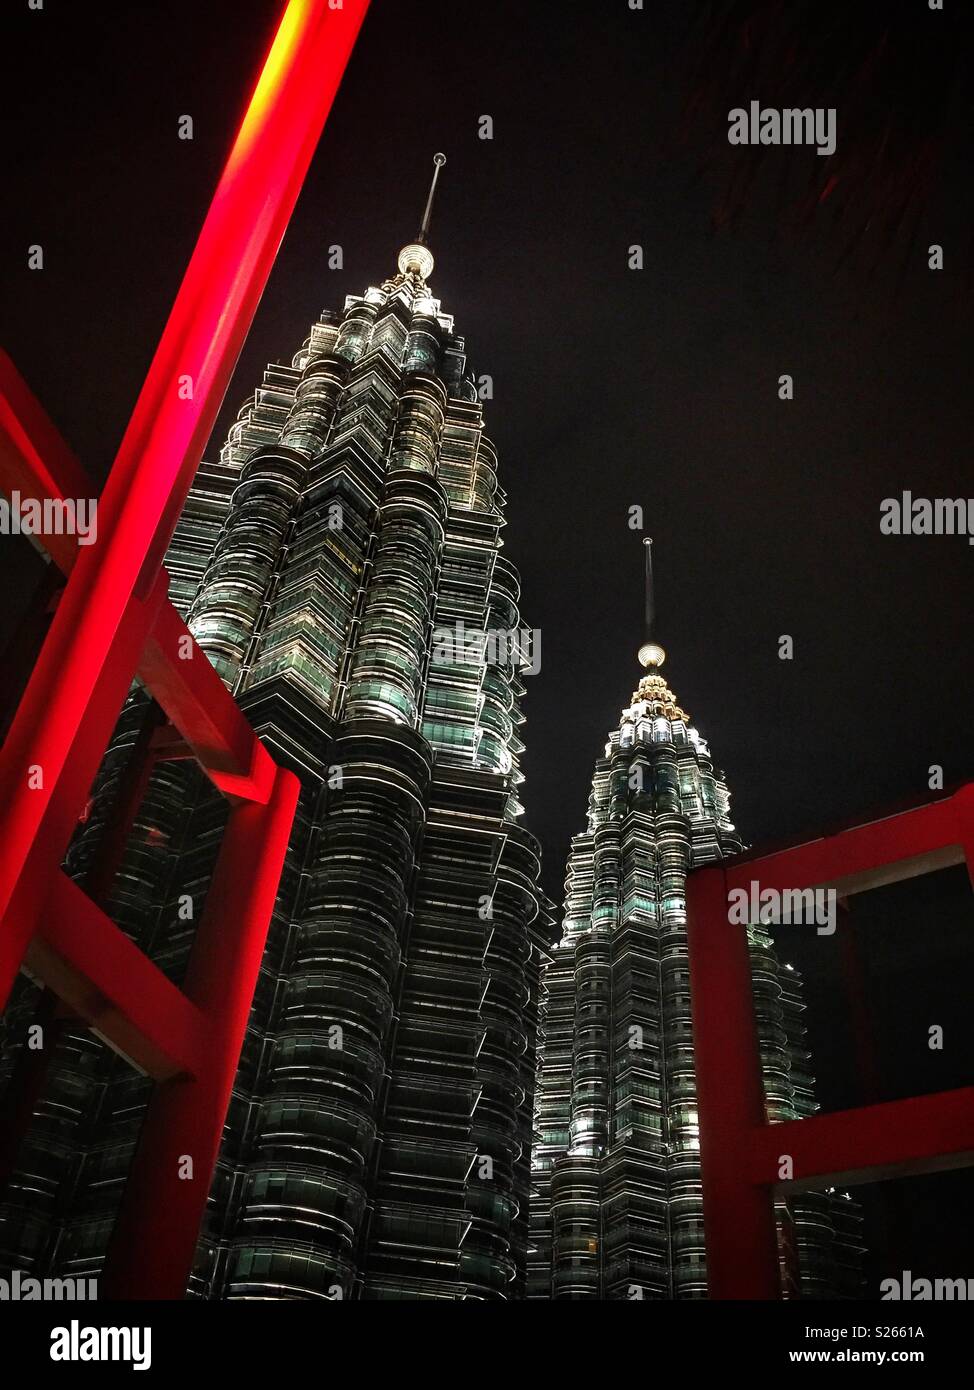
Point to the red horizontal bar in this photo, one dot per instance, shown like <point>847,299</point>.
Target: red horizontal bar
<point>919,841</point>
<point>921,1134</point>
<point>103,976</point>
<point>201,707</point>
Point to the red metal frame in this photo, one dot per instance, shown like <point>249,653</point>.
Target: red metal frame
<point>114,621</point>
<point>739,1151</point>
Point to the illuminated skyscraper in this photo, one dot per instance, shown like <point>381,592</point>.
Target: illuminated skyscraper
<point>341,565</point>
<point>616,1209</point>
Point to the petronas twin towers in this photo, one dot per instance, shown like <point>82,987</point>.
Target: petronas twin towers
<point>433,1100</point>
<point>616,1208</point>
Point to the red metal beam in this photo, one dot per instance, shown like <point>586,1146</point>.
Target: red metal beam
<point>739,1220</point>
<point>45,853</point>
<point>171,663</point>
<point>164,1198</point>
<point>867,856</point>
<point>740,1153</point>
<point>199,705</point>
<point>114,618</point>
<point>95,968</point>
<point>921,1134</point>
<point>34,459</point>
<point>176,408</point>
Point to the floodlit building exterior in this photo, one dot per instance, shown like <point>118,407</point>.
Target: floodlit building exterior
<point>341,565</point>
<point>616,1207</point>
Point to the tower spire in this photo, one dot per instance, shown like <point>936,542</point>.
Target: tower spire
<point>650,653</point>
<point>416,258</point>
<point>438,161</point>
<point>650,591</point>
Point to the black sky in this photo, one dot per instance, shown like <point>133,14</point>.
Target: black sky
<point>612,387</point>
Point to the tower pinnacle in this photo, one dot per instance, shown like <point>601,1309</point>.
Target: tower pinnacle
<point>416,258</point>
<point>651,654</point>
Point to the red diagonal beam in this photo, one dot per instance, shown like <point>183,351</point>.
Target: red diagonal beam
<point>95,968</point>
<point>172,665</point>
<point>176,409</point>
<point>60,813</point>
<point>34,459</point>
<point>197,702</point>
<point>115,618</point>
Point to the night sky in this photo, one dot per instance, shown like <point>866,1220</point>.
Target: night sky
<point>612,387</point>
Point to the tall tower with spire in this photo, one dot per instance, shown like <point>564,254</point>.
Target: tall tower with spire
<point>341,564</point>
<point>616,1208</point>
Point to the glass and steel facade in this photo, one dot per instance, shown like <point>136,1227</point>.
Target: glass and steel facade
<point>616,1210</point>
<point>377,1142</point>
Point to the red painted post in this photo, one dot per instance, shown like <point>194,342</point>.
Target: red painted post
<point>742,1251</point>
<point>152,1247</point>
